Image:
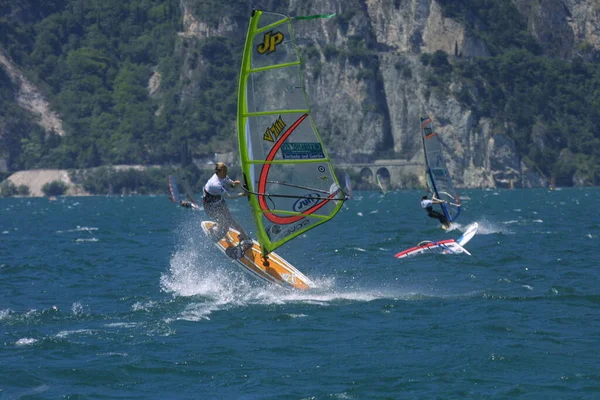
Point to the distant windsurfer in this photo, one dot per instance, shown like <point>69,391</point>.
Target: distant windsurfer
<point>428,206</point>
<point>187,204</point>
<point>214,204</point>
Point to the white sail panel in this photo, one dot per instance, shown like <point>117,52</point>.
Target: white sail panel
<point>286,167</point>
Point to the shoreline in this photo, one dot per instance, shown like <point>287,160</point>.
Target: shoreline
<point>37,178</point>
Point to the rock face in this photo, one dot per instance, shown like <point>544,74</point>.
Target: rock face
<point>31,99</point>
<point>364,115</point>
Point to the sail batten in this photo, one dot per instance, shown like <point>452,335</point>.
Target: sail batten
<point>258,114</point>
<point>284,162</point>
<point>270,67</point>
<point>284,212</point>
<point>273,25</point>
<point>287,172</point>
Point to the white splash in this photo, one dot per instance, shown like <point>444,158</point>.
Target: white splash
<point>25,341</point>
<point>77,308</point>
<point>5,313</point>
<point>488,228</point>
<point>64,334</point>
<point>122,325</point>
<point>139,306</point>
<point>211,283</point>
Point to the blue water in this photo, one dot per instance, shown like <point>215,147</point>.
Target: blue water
<point>122,297</point>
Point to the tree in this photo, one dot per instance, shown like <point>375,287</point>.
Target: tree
<point>23,190</point>
<point>91,157</point>
<point>7,189</point>
<point>54,188</point>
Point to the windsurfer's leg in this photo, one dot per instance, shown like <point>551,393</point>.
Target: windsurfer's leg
<point>238,227</point>
<point>220,228</point>
<point>218,231</point>
<point>245,242</point>
<point>234,252</point>
<point>443,220</point>
<point>439,216</point>
<point>228,219</point>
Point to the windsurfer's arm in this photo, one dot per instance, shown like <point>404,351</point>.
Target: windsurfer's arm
<point>234,195</point>
<point>242,193</point>
<point>231,182</point>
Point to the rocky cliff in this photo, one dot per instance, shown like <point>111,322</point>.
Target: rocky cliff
<point>369,86</point>
<point>31,98</point>
<point>362,115</point>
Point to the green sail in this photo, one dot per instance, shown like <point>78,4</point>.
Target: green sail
<point>287,171</point>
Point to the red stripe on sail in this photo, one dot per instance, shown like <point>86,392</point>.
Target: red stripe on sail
<point>264,173</point>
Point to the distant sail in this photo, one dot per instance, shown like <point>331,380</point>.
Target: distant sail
<point>382,183</point>
<point>188,191</point>
<point>173,189</point>
<point>348,184</point>
<point>438,177</point>
<point>286,168</point>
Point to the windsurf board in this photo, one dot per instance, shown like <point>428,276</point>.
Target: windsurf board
<point>448,246</point>
<point>277,271</point>
<point>468,235</point>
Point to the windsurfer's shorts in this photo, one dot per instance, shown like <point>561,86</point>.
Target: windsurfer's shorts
<point>219,212</point>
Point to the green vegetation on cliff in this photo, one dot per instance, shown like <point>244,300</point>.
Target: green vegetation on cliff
<point>94,60</point>
<point>99,63</point>
<point>551,103</point>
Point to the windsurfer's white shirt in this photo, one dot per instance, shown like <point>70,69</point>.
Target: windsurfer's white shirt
<point>217,186</point>
<point>426,203</point>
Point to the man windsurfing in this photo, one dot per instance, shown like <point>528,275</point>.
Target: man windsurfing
<point>215,189</point>
<point>428,206</point>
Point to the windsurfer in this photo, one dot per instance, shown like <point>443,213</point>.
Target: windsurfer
<point>428,206</point>
<point>186,204</point>
<point>216,208</point>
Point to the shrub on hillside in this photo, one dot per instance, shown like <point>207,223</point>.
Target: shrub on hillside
<point>8,189</point>
<point>23,190</point>
<point>54,188</point>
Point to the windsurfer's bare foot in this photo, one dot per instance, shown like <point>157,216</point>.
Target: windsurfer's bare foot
<point>246,244</point>
<point>213,232</point>
<point>234,252</point>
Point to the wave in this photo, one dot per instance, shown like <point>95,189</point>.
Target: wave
<point>487,227</point>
